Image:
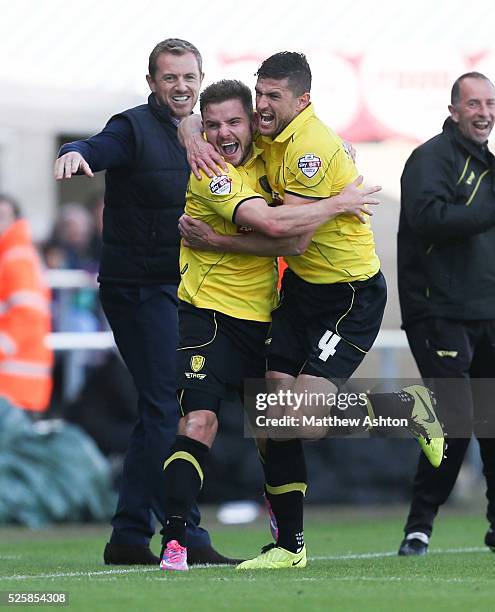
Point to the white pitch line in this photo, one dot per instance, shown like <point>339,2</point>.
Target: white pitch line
<point>131,570</point>
<point>344,557</point>
<point>438,551</point>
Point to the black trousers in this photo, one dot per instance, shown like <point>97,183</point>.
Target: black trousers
<point>455,353</point>
<point>144,323</point>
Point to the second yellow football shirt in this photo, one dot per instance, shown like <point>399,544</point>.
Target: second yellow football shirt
<point>241,286</point>
<point>309,160</point>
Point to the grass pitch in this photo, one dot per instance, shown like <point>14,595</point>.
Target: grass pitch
<point>353,566</point>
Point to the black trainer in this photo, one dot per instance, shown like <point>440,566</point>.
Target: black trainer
<point>207,555</point>
<point>490,539</point>
<point>129,554</point>
<point>414,544</point>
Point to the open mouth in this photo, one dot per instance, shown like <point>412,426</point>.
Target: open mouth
<point>481,125</point>
<point>180,99</point>
<point>230,148</point>
<point>266,118</point>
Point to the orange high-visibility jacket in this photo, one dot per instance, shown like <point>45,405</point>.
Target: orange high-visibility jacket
<point>25,361</point>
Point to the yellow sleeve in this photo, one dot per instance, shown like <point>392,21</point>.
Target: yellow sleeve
<point>317,165</point>
<point>222,194</point>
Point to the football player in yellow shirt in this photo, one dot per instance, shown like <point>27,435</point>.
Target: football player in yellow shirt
<point>333,295</point>
<point>226,299</point>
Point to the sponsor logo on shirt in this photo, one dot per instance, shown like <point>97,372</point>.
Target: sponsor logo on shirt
<point>309,164</point>
<point>221,185</point>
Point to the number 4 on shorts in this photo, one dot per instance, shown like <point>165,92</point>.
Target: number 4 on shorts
<point>327,344</point>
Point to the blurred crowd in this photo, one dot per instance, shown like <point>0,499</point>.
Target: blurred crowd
<point>88,387</point>
<point>91,388</point>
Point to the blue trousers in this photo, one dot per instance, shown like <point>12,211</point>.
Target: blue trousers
<point>143,319</point>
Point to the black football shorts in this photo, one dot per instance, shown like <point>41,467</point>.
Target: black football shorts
<point>216,353</point>
<point>325,330</point>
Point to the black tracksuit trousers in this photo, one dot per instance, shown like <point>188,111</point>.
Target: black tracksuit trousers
<point>457,358</point>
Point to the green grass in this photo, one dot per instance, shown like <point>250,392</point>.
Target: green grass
<point>349,570</point>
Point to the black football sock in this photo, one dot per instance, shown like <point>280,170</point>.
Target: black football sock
<point>184,470</point>
<point>174,529</point>
<point>285,470</point>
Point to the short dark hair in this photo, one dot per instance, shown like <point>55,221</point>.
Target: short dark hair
<point>16,209</point>
<point>455,94</point>
<point>224,90</point>
<point>175,46</point>
<point>288,65</point>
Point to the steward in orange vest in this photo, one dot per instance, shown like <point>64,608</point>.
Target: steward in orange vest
<point>25,361</point>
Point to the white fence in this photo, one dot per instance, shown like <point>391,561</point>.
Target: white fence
<point>71,341</point>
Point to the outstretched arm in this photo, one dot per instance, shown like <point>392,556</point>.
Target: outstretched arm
<point>113,147</point>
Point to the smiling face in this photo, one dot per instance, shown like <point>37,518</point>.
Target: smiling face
<point>176,82</point>
<point>474,112</point>
<point>277,105</point>
<point>229,129</point>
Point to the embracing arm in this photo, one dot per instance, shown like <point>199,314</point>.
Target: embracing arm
<point>301,216</point>
<point>199,235</point>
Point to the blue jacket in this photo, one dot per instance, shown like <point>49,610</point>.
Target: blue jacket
<point>145,185</point>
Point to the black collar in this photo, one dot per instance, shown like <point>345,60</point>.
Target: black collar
<point>476,149</point>
<point>161,112</point>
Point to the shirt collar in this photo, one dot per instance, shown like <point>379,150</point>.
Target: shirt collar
<point>256,152</point>
<point>160,111</point>
<point>477,149</point>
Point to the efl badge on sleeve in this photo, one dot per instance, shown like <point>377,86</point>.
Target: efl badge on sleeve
<point>309,164</point>
<point>221,185</point>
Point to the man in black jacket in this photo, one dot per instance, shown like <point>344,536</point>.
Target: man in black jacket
<point>145,184</point>
<point>446,271</point>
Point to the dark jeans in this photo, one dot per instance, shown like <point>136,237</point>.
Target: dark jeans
<point>144,323</point>
<point>464,351</point>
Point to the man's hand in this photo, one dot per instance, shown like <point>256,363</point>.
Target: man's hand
<point>69,164</point>
<point>201,155</point>
<point>196,234</point>
<point>355,199</point>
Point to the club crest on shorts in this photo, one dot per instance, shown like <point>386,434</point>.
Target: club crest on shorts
<point>309,164</point>
<point>197,363</point>
<point>221,185</point>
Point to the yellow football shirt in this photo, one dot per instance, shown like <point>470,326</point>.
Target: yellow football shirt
<point>308,159</point>
<point>241,286</point>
